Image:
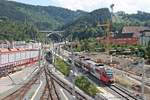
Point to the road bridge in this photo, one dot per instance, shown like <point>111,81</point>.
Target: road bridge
<point>54,35</point>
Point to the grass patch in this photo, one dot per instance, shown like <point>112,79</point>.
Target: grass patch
<point>77,49</point>
<point>86,86</point>
<point>126,83</point>
<point>62,66</point>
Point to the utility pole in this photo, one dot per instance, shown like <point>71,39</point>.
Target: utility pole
<point>143,79</point>
<point>40,58</point>
<point>73,68</point>
<point>53,54</point>
<point>111,59</point>
<point>40,51</point>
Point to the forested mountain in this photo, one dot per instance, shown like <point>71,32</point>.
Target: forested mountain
<point>123,19</point>
<point>44,17</point>
<point>21,21</point>
<point>17,31</point>
<point>87,25</point>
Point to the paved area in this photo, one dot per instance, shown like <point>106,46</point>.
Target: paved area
<point>18,78</point>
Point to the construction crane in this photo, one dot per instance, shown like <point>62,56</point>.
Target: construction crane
<point>108,27</point>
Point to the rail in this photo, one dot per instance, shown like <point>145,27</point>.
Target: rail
<point>123,93</point>
<point>21,92</point>
<point>50,92</point>
<point>67,87</point>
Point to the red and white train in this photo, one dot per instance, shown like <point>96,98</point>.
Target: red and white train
<point>99,70</point>
<point>13,59</point>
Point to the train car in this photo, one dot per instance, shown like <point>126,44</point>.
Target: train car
<point>99,70</point>
<point>12,60</point>
<point>49,57</point>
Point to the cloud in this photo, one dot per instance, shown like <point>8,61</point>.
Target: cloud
<point>130,6</point>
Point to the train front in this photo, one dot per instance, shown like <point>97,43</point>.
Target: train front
<point>109,75</point>
<point>106,74</point>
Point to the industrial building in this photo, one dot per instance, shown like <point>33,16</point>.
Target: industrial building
<point>130,35</point>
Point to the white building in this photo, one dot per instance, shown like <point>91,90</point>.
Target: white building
<point>145,37</point>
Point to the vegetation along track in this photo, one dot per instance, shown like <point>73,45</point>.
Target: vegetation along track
<point>21,92</point>
<point>123,93</point>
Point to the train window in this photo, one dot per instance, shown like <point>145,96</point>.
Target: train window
<point>109,72</point>
<point>97,65</point>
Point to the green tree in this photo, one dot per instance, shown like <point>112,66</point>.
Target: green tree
<point>85,45</point>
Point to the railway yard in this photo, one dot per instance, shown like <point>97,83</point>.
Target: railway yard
<point>42,81</point>
<point>74,50</point>
<point>126,73</point>
<point>130,82</point>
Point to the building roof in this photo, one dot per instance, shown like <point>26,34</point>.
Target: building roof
<point>4,50</point>
<point>132,29</point>
<point>136,30</point>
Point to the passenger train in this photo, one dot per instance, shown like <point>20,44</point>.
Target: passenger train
<point>49,57</point>
<point>12,59</point>
<point>99,70</point>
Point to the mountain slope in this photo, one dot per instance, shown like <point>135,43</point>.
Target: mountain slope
<point>123,19</point>
<point>44,17</point>
<point>86,25</point>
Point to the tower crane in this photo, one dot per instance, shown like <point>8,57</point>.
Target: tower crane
<point>108,27</point>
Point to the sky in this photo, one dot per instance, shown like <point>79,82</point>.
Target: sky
<point>129,6</point>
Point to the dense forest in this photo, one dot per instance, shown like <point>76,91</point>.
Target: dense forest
<point>43,17</point>
<point>17,30</point>
<point>22,22</point>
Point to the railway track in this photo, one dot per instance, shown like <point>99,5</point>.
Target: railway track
<point>67,87</point>
<point>123,93</point>
<point>50,92</point>
<point>21,92</point>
